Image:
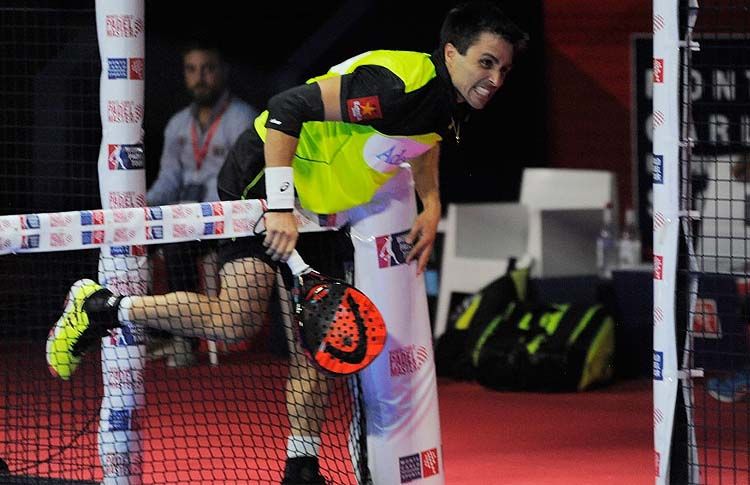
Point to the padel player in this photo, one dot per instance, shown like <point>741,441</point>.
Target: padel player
<point>335,140</point>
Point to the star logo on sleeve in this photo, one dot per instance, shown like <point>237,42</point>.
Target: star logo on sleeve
<point>364,109</point>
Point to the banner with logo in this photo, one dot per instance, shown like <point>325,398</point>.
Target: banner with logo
<point>400,386</point>
<point>124,268</point>
<point>666,193</point>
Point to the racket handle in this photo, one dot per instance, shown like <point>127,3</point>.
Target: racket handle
<point>297,264</point>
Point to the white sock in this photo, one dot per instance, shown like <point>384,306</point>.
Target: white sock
<point>297,446</point>
<point>123,311</point>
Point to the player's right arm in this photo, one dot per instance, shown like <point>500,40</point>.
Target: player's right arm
<point>317,101</point>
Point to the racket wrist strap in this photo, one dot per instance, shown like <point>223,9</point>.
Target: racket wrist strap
<point>297,264</point>
<point>279,188</point>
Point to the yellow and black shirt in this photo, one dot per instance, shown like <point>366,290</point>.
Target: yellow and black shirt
<point>395,106</point>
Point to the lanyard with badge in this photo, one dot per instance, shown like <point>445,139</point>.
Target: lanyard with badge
<point>200,152</point>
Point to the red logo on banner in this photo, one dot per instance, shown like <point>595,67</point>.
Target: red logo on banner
<point>60,239</point>
<point>124,111</point>
<point>60,220</point>
<point>364,109</point>
<point>243,225</point>
<point>407,360</point>
<point>128,26</point>
<point>658,267</point>
<point>430,464</point>
<point>136,68</point>
<point>657,462</point>
<point>658,70</point>
<point>383,244</point>
<point>706,319</point>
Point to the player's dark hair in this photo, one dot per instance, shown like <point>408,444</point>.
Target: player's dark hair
<point>466,22</point>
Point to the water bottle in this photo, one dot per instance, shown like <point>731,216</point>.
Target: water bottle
<point>606,245</point>
<point>629,245</point>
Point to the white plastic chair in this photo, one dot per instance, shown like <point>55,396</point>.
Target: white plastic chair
<point>478,240</point>
<point>565,190</point>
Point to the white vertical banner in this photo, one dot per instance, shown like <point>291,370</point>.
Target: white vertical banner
<point>124,268</point>
<point>400,386</point>
<point>666,192</point>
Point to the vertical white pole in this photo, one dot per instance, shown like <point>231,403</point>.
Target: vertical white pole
<point>666,190</point>
<point>123,269</point>
<point>400,386</point>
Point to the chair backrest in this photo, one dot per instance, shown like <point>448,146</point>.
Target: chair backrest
<point>490,230</point>
<point>568,188</point>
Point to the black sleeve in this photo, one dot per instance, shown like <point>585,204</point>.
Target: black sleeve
<point>372,95</point>
<point>289,109</point>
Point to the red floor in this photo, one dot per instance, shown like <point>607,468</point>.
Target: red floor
<point>489,437</point>
<point>597,437</point>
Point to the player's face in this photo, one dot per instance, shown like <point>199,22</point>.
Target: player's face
<point>204,76</point>
<point>478,74</point>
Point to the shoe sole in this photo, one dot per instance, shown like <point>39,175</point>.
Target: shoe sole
<point>60,359</point>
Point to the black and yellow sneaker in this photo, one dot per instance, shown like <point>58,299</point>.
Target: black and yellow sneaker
<point>74,333</point>
<point>303,470</point>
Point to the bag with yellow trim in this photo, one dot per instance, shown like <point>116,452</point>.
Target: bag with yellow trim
<point>468,320</point>
<point>546,348</point>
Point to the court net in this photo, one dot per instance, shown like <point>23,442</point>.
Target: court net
<point>712,426</point>
<point>151,408</point>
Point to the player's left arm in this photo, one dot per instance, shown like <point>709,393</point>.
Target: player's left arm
<point>424,230</point>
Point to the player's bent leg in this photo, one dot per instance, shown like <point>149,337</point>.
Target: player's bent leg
<point>87,317</point>
<point>307,398</point>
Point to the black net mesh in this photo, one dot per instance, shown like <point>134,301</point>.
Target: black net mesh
<point>711,432</point>
<point>206,407</point>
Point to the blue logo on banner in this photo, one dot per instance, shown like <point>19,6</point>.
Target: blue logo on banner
<point>658,169</point>
<point>117,68</point>
<point>410,468</point>
<point>30,221</point>
<point>119,250</point>
<point>658,365</point>
<point>30,242</point>
<point>119,420</point>
<point>125,157</point>
<point>155,232</point>
<point>154,214</point>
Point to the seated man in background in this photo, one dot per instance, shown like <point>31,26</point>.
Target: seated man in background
<point>196,141</point>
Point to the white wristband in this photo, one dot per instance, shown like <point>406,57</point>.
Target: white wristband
<point>279,188</point>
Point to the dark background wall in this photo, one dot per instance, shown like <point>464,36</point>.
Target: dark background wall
<point>306,39</point>
<point>588,84</point>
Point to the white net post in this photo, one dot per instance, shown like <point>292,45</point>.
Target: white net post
<point>666,189</point>
<point>122,268</point>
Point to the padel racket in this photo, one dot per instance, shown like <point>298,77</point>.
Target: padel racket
<point>339,327</point>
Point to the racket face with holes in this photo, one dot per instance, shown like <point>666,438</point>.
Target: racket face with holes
<point>340,328</point>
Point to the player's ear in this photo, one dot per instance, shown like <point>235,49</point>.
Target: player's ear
<point>450,52</point>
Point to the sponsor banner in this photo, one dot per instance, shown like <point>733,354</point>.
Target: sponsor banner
<point>127,223</point>
<point>419,465</point>
<point>125,68</point>
<point>706,322</point>
<point>125,157</point>
<point>404,374</point>
<point>407,360</point>
<point>392,249</point>
<point>658,365</point>
<point>123,419</point>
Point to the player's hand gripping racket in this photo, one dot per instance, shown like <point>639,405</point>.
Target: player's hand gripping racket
<point>339,327</point>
